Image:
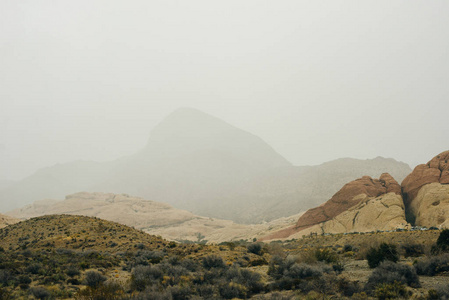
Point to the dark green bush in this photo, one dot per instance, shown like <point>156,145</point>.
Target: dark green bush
<point>213,261</point>
<point>389,272</point>
<point>431,266</point>
<point>443,240</point>
<point>142,276</point>
<point>40,292</point>
<point>384,252</point>
<point>34,268</point>
<point>232,290</point>
<point>413,250</point>
<point>255,248</point>
<point>94,278</point>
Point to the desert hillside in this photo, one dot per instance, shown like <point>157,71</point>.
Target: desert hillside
<point>7,220</point>
<point>152,217</point>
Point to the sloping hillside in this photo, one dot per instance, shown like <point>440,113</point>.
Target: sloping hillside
<point>7,220</point>
<point>150,216</point>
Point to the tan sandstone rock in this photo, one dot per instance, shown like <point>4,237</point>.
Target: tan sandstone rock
<point>436,170</point>
<point>337,214</point>
<point>431,206</point>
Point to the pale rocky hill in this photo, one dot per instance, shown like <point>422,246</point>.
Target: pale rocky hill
<point>152,217</point>
<point>199,163</point>
<point>7,220</point>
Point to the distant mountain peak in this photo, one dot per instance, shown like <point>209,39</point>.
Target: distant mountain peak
<point>187,130</point>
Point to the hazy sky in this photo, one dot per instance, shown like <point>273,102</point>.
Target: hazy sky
<point>317,80</point>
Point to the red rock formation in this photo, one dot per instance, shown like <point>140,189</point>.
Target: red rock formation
<point>344,199</point>
<point>436,170</point>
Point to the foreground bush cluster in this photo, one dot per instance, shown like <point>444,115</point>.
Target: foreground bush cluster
<point>232,271</point>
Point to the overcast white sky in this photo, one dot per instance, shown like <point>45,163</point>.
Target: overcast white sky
<point>317,80</point>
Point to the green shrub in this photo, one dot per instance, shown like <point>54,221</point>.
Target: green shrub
<point>431,266</point>
<point>326,255</point>
<point>255,248</point>
<point>40,292</point>
<point>389,272</point>
<point>384,252</point>
<point>393,290</point>
<point>213,261</point>
<point>93,279</point>
<point>413,250</point>
<point>443,240</point>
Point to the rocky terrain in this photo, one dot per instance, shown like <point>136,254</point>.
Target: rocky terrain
<point>152,217</point>
<point>426,193</point>
<point>368,204</point>
<point>199,163</point>
<point>7,220</point>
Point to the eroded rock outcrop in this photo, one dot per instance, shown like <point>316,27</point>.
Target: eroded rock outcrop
<point>350,195</point>
<point>436,170</point>
<point>364,204</point>
<point>386,212</point>
<point>431,206</point>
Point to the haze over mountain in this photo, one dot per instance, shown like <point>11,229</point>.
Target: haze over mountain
<point>197,162</point>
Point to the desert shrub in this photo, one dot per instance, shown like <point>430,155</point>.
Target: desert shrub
<point>412,249</point>
<point>385,252</point>
<point>348,288</point>
<point>213,261</point>
<point>72,271</point>
<point>142,276</point>
<point>73,281</point>
<point>40,292</point>
<point>190,265</point>
<point>34,268</point>
<point>109,290</point>
<point>338,267</point>
<point>179,292</point>
<point>94,279</point>
<point>255,248</point>
<point>249,279</point>
<point>5,277</point>
<point>389,272</point>
<point>232,290</point>
<point>24,279</point>
<point>347,248</point>
<point>393,290</point>
<point>431,266</point>
<point>441,292</point>
<point>443,240</point>
<point>326,255</point>
<point>4,294</point>
<point>289,274</point>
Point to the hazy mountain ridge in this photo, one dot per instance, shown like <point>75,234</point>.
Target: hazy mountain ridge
<point>197,162</point>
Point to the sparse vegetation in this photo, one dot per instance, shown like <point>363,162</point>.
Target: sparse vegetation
<point>385,252</point>
<point>55,267</point>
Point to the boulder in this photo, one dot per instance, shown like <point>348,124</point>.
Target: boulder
<point>436,170</point>
<point>431,206</point>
